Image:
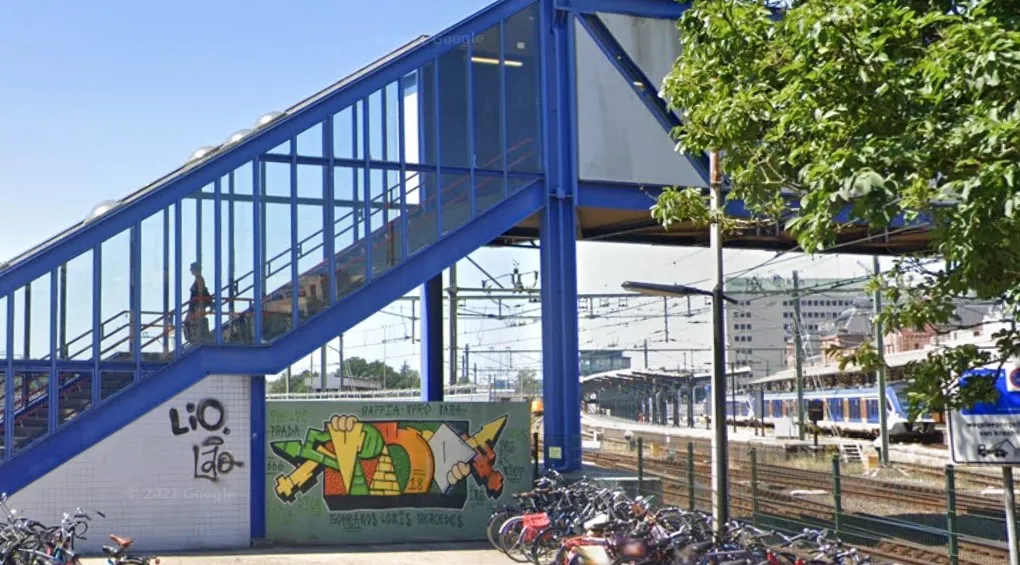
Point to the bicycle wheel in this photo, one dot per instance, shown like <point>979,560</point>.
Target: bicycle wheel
<point>510,533</point>
<point>547,545</point>
<point>519,549</point>
<point>496,522</point>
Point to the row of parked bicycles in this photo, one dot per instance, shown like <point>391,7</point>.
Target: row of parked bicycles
<point>24,541</point>
<point>582,524</point>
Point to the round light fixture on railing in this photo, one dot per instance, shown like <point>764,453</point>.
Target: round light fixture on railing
<point>202,153</point>
<point>267,118</point>
<point>101,209</point>
<point>237,136</point>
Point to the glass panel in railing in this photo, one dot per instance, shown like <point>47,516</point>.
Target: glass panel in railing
<point>277,298</point>
<point>195,296</point>
<point>113,381</point>
<point>424,96</point>
<point>521,55</point>
<point>311,250</point>
<point>489,190</point>
<point>30,407</point>
<point>238,255</point>
<point>487,100</point>
<point>343,133</point>
<point>115,299</point>
<point>38,306</point>
<point>455,197</point>
<point>207,259</point>
<point>74,318</point>
<point>515,184</point>
<point>392,247</point>
<point>309,142</point>
<point>18,329</point>
<point>75,394</point>
<point>381,221</point>
<point>157,310</point>
<point>453,106</point>
<point>422,219</point>
<point>392,108</point>
<point>349,229</point>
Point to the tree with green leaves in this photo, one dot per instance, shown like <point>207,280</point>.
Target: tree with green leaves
<point>888,109</point>
<point>299,383</point>
<point>528,382</point>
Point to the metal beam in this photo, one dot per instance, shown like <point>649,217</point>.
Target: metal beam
<point>558,232</point>
<point>432,339</point>
<point>658,9</point>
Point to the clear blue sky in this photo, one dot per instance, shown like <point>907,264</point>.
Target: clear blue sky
<point>98,98</point>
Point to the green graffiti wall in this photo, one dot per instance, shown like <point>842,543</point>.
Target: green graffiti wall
<point>357,472</point>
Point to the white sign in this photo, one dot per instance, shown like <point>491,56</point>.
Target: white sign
<point>989,433</point>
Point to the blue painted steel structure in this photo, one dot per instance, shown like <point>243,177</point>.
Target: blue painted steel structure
<point>313,221</point>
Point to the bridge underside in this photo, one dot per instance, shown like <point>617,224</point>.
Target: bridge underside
<point>261,249</point>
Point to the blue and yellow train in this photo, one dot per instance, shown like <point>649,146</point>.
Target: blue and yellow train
<point>847,410</point>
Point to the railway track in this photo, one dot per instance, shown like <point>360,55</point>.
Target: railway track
<point>774,481</point>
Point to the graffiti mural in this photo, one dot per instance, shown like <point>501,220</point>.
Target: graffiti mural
<point>211,459</point>
<point>395,463</point>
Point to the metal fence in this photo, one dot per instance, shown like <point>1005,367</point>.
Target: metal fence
<point>946,516</point>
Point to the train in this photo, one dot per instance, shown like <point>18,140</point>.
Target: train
<point>847,410</point>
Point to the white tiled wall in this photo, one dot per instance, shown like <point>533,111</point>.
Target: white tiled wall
<point>143,478</point>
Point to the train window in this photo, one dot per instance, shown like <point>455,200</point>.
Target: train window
<point>835,406</point>
<point>871,406</point>
<point>855,410</point>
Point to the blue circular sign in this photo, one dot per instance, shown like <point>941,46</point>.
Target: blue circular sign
<point>1014,378</point>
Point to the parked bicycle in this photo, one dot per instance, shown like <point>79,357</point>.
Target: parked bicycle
<point>24,541</point>
<point>583,524</point>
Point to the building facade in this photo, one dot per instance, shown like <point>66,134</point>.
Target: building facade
<point>600,361</point>
<point>760,325</point>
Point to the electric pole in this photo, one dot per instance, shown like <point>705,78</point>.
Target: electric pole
<point>883,411</point>
<point>798,343</point>
<point>453,324</point>
<point>720,440</point>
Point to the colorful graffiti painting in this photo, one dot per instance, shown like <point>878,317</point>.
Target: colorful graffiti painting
<point>391,463</point>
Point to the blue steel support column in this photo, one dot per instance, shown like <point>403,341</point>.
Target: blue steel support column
<point>97,323</point>
<point>558,242</point>
<point>231,262</point>
<point>259,265</point>
<point>329,210</point>
<point>402,150</point>
<point>257,467</point>
<point>135,316</point>
<point>178,291</point>
<point>166,280</point>
<point>432,339</point>
<point>366,122</point>
<point>218,261</point>
<point>295,295</point>
<point>504,158</point>
<point>9,378</point>
<point>53,384</point>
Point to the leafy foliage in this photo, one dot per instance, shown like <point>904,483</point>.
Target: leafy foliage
<point>882,109</point>
<point>375,371</point>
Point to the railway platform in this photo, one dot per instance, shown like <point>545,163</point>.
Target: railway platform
<point>672,437</point>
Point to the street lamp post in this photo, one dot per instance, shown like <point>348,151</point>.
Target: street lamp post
<point>720,440</point>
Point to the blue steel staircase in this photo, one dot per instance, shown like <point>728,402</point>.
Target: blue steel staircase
<point>446,174</point>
